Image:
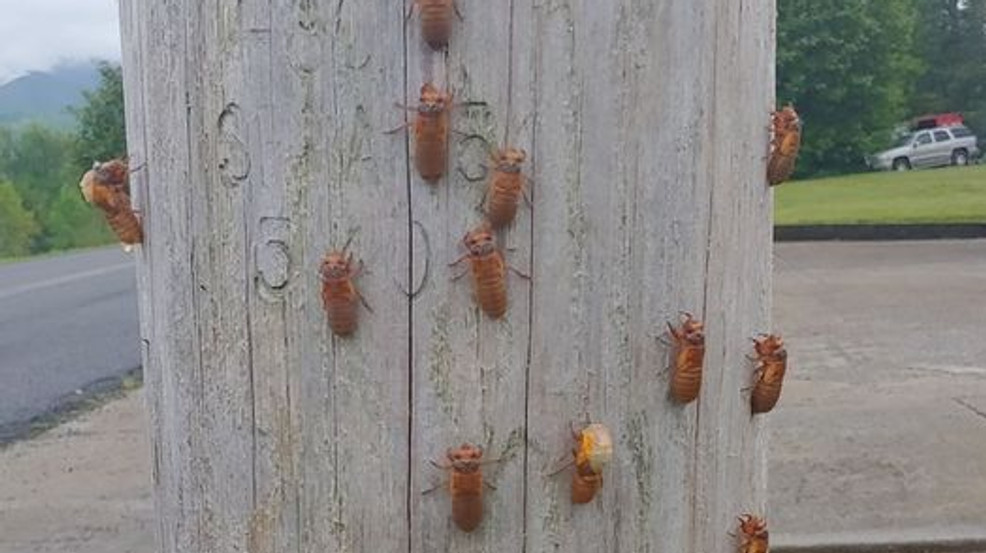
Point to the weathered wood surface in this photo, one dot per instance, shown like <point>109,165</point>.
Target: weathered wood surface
<point>257,131</point>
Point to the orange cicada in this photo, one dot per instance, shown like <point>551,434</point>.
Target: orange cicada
<point>431,129</point>
<point>489,270</point>
<point>506,186</point>
<point>465,485</point>
<point>107,186</point>
<point>771,360</point>
<point>689,353</point>
<point>753,536</point>
<point>340,297</point>
<point>593,451</point>
<point>784,145</point>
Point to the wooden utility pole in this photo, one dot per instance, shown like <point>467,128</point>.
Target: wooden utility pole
<point>257,130</point>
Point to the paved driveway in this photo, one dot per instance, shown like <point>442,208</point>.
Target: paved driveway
<point>882,426</point>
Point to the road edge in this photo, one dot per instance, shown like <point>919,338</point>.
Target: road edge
<point>71,406</point>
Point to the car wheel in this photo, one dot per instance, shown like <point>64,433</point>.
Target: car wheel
<point>960,157</point>
<point>902,164</point>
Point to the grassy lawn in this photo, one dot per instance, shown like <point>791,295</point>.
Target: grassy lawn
<point>951,195</point>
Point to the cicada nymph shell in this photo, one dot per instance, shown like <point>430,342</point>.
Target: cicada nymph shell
<point>688,339</point>
<point>431,130</point>
<point>753,535</point>
<point>784,145</point>
<point>488,269</point>
<point>107,186</point>
<point>506,186</point>
<point>340,297</point>
<point>771,358</point>
<point>465,485</point>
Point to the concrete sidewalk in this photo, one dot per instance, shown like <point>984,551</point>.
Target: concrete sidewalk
<point>880,435</point>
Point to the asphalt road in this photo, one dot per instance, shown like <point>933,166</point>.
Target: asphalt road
<point>65,322</point>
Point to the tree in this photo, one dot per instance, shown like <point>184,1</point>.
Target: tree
<point>7,139</point>
<point>37,161</point>
<point>17,225</point>
<point>71,223</point>
<point>849,66</point>
<point>952,41</point>
<point>101,135</point>
<point>38,164</point>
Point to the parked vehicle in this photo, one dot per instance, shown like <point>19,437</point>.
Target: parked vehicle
<point>955,145</point>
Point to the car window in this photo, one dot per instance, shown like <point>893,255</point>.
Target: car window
<point>904,140</point>
<point>961,132</point>
<point>941,136</point>
<point>923,138</point>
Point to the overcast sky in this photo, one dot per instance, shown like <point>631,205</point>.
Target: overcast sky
<point>36,35</point>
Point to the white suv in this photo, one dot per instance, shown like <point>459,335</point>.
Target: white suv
<point>928,148</point>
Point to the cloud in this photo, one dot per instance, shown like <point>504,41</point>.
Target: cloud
<point>36,35</point>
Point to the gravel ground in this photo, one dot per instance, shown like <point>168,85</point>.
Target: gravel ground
<point>83,487</point>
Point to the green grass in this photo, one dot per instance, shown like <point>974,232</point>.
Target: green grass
<point>951,195</point>
<point>52,253</point>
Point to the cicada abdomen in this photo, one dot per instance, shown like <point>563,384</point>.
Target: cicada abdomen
<point>126,226</point>
<point>436,21</point>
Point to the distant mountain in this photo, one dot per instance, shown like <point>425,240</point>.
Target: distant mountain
<point>44,97</point>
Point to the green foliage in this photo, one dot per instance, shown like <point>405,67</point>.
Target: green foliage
<point>102,133</point>
<point>17,224</point>
<point>71,223</point>
<point>952,40</point>
<point>7,139</point>
<point>36,160</point>
<point>43,167</point>
<point>849,67</point>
